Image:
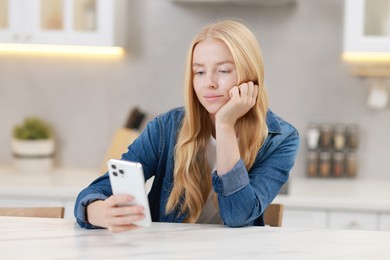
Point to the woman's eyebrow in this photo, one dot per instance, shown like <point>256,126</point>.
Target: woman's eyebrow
<point>218,63</point>
<point>225,62</point>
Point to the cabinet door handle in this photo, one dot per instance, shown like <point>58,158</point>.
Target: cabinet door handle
<point>28,38</point>
<point>353,225</point>
<point>15,37</point>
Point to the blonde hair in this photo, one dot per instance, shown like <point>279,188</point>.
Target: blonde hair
<point>192,178</point>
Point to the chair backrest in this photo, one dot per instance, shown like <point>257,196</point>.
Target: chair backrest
<point>273,215</point>
<point>37,212</point>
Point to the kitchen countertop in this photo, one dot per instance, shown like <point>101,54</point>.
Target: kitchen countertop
<point>344,194</point>
<point>66,183</point>
<point>63,239</point>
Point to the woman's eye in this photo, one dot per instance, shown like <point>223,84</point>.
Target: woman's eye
<point>199,72</point>
<point>225,71</point>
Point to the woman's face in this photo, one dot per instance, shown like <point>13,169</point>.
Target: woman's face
<point>214,74</point>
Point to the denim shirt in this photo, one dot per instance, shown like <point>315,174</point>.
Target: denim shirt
<point>242,195</point>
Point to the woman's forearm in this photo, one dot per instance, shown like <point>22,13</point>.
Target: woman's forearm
<point>228,152</point>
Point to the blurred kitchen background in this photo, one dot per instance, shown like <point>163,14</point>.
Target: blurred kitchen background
<point>85,99</point>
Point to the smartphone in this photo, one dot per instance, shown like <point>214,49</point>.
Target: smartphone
<point>128,178</point>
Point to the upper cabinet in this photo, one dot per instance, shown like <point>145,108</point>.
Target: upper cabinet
<point>60,22</point>
<point>367,37</point>
<point>367,26</point>
<point>367,45</point>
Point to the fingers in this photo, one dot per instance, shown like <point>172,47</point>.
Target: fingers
<point>255,91</point>
<point>120,217</point>
<point>118,229</point>
<point>248,91</point>
<point>115,200</point>
<point>245,90</point>
<point>127,210</point>
<point>242,99</point>
<point>124,220</point>
<point>234,92</point>
<point>118,205</point>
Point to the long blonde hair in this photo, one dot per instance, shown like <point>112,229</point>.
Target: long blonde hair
<point>192,178</point>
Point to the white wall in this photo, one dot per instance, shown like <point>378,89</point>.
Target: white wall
<point>86,100</point>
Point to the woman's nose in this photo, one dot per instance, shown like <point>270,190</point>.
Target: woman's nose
<point>210,81</point>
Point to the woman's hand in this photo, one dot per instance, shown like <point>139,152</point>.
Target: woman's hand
<point>113,214</point>
<point>242,99</point>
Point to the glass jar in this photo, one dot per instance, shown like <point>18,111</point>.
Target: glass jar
<point>339,137</point>
<point>352,136</point>
<point>338,164</point>
<point>312,164</point>
<point>313,136</point>
<point>326,136</point>
<point>351,169</point>
<point>325,164</point>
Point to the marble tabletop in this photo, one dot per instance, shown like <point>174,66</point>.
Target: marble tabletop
<point>39,238</point>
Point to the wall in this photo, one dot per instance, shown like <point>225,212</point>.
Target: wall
<point>86,100</point>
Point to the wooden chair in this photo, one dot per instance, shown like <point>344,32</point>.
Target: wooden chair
<point>37,212</point>
<point>273,215</point>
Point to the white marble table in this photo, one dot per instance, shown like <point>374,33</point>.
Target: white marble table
<point>33,238</point>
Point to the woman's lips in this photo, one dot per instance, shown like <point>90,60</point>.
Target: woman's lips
<point>211,98</point>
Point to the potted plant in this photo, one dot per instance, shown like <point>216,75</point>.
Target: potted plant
<point>33,145</point>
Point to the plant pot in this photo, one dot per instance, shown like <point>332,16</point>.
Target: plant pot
<point>33,155</point>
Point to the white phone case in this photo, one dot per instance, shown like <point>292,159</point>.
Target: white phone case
<point>128,178</point>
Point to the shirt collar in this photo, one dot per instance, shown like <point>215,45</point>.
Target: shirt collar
<point>273,123</point>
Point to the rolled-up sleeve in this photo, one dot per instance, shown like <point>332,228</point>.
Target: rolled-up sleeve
<point>99,189</point>
<point>231,182</point>
<point>243,195</point>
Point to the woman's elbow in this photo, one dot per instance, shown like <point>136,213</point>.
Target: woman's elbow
<point>235,222</point>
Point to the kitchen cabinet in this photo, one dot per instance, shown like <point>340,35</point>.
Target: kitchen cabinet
<point>366,44</point>
<point>307,218</point>
<point>353,220</point>
<point>337,204</point>
<point>384,222</point>
<point>367,26</point>
<point>335,219</point>
<point>59,22</point>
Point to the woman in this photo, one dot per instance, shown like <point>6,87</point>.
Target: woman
<point>220,159</point>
